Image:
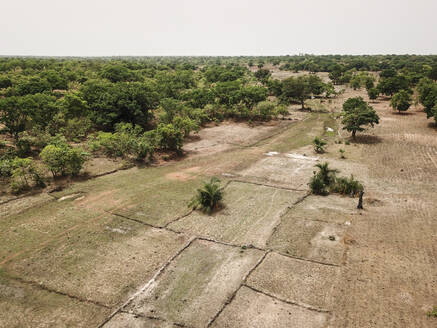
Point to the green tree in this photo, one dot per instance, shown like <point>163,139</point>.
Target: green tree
<point>25,173</point>
<point>112,103</point>
<point>373,93</point>
<point>251,95</point>
<point>296,89</point>
<point>62,159</point>
<point>13,115</point>
<point>401,101</point>
<point>168,137</point>
<point>391,85</point>
<point>116,73</point>
<point>356,114</point>
<point>262,74</point>
<point>427,95</point>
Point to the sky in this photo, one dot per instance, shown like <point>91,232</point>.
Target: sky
<point>220,27</point>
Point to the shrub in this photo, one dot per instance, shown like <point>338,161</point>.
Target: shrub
<point>6,167</point>
<point>24,175</point>
<point>347,186</point>
<point>265,110</point>
<point>326,173</point>
<point>128,140</point>
<point>208,198</point>
<point>319,145</point>
<point>168,137</point>
<point>62,159</point>
<point>317,185</point>
<point>186,125</point>
<point>325,181</point>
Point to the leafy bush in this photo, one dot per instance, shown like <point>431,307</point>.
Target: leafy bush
<point>24,175</point>
<point>347,186</point>
<point>128,140</point>
<point>62,159</point>
<point>264,111</point>
<point>317,185</point>
<point>208,198</point>
<point>325,181</point>
<point>6,167</point>
<point>186,125</point>
<point>319,145</point>
<point>168,137</point>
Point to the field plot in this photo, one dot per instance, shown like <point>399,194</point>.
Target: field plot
<point>22,305</point>
<point>197,284</point>
<point>102,261</point>
<point>296,281</point>
<point>305,238</point>
<point>123,320</point>
<point>250,309</point>
<point>250,215</point>
<point>227,135</point>
<point>290,170</point>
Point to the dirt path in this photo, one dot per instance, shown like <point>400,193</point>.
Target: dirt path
<point>128,252</point>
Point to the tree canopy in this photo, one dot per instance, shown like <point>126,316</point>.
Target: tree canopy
<point>357,114</point>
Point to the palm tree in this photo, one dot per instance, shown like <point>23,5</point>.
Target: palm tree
<point>319,145</point>
<point>327,174</point>
<point>208,198</point>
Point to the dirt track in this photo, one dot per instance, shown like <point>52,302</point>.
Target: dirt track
<point>130,253</point>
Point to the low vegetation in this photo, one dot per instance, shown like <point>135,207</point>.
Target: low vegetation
<point>433,312</point>
<point>325,180</point>
<point>208,198</point>
<point>319,145</point>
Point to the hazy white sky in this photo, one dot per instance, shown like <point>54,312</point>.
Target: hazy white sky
<point>220,27</point>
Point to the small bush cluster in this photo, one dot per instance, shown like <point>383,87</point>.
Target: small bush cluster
<point>127,141</point>
<point>325,181</point>
<point>208,198</point>
<point>62,159</point>
<point>24,174</point>
<point>319,145</point>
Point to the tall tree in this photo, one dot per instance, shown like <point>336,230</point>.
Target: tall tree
<point>401,101</point>
<point>296,89</point>
<point>357,114</point>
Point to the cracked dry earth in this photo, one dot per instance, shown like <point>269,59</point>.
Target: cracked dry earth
<point>128,252</point>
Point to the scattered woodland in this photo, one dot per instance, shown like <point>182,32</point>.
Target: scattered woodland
<point>57,113</point>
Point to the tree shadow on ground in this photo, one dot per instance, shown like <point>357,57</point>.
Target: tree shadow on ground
<point>366,139</point>
<point>432,125</point>
<point>404,113</point>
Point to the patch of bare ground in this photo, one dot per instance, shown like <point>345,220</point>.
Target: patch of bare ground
<point>389,276</point>
<point>123,320</point>
<point>196,284</point>
<point>251,309</point>
<point>23,305</point>
<point>103,261</point>
<point>228,135</point>
<point>300,282</point>
<point>101,165</point>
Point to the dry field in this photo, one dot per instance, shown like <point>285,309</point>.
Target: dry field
<point>124,250</point>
